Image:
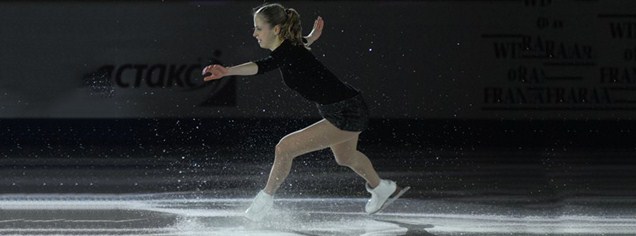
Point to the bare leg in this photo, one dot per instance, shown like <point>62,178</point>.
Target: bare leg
<point>319,135</point>
<point>346,154</point>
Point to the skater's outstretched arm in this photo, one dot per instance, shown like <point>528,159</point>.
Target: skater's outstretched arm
<point>315,33</point>
<point>213,72</point>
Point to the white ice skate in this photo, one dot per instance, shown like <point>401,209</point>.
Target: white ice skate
<point>262,204</point>
<point>383,195</point>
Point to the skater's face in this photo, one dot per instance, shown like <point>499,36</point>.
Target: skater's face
<point>265,34</point>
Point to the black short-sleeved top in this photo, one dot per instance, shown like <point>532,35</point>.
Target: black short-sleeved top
<point>303,73</point>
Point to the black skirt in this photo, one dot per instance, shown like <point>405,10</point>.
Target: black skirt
<point>350,115</point>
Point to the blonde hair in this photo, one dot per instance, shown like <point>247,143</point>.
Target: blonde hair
<point>287,18</point>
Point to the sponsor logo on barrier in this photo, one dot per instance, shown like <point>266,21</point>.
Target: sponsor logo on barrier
<point>186,77</point>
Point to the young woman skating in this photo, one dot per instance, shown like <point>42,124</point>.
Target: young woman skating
<point>344,111</point>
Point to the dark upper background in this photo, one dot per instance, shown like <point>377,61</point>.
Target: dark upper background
<point>460,74</point>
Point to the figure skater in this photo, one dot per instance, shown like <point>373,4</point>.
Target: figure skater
<point>342,107</point>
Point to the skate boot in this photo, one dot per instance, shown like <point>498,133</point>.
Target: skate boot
<point>382,195</point>
<point>261,205</point>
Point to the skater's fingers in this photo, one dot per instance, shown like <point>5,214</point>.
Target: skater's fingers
<point>205,70</point>
<point>212,77</point>
<point>319,24</point>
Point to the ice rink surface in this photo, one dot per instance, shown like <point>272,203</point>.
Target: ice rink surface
<point>198,214</point>
<point>469,193</point>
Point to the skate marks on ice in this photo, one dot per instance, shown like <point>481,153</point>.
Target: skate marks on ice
<point>188,215</point>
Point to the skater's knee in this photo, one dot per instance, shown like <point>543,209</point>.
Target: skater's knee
<point>284,149</point>
<point>347,159</point>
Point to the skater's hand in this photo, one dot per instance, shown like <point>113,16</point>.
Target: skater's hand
<point>316,32</point>
<point>213,72</point>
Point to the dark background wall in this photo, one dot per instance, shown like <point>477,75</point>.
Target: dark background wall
<point>477,74</point>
